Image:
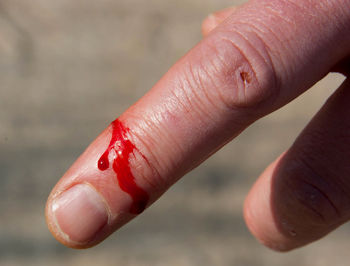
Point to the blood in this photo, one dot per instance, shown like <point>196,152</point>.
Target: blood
<point>119,150</point>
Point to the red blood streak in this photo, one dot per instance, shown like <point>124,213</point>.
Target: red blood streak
<point>119,150</point>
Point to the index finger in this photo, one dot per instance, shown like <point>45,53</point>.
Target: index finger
<point>257,60</point>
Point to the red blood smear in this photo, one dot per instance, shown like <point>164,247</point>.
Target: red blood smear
<point>123,147</point>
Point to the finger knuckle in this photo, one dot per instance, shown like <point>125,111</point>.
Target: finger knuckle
<point>243,71</point>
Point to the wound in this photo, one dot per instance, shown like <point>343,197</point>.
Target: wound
<point>117,156</point>
<point>245,77</point>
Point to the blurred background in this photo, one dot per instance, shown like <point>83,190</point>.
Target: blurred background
<point>68,68</point>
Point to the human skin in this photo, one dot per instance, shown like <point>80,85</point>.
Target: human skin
<point>252,60</point>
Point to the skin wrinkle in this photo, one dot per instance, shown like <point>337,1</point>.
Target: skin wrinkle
<point>299,59</point>
<point>268,51</point>
<point>142,172</point>
<point>314,210</point>
<point>318,188</point>
<point>277,12</point>
<point>339,184</point>
<point>274,15</point>
<point>225,66</point>
<point>318,176</point>
<point>268,63</point>
<point>267,60</point>
<point>326,10</point>
<point>303,153</point>
<point>329,10</point>
<point>213,87</point>
<point>153,127</point>
<point>195,86</point>
<point>231,42</point>
<point>303,8</point>
<point>193,113</point>
<point>180,86</point>
<point>205,89</point>
<point>170,138</point>
<point>169,135</point>
<point>257,33</point>
<point>254,102</point>
<point>150,162</point>
<point>284,49</point>
<point>193,108</point>
<point>281,29</point>
<point>208,75</point>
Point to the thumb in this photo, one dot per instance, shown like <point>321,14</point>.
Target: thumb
<point>251,64</point>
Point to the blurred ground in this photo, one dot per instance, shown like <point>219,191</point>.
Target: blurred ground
<point>67,68</point>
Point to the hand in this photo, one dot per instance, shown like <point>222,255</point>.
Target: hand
<point>253,60</point>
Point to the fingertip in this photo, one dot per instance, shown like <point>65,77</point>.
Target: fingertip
<point>78,217</point>
<point>94,199</point>
<point>259,214</point>
<point>87,205</point>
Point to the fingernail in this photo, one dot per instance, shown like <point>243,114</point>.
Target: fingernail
<point>80,213</point>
